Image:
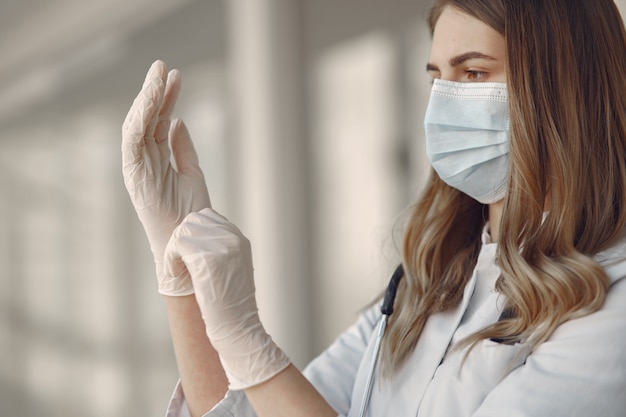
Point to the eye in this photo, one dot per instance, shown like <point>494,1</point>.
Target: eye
<point>474,75</point>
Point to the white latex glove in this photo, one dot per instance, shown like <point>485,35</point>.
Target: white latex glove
<point>218,258</point>
<point>162,195</point>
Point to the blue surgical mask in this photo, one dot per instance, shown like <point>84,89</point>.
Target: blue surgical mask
<point>467,137</point>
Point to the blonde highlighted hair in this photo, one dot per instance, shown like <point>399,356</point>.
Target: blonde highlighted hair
<point>566,201</point>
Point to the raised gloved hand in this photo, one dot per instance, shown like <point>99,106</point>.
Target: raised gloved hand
<point>217,256</point>
<point>162,195</point>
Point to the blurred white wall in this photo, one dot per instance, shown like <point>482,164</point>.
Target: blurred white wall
<point>307,117</point>
<point>82,329</point>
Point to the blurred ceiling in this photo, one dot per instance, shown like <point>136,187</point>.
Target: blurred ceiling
<point>52,47</point>
<point>77,49</point>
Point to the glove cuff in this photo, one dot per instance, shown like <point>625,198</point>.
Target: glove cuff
<point>174,286</point>
<point>251,368</point>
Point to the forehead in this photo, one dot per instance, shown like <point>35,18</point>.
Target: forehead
<point>457,32</point>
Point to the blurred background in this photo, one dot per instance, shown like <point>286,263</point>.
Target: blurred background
<point>307,117</point>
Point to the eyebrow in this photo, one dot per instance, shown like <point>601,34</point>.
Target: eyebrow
<point>459,59</point>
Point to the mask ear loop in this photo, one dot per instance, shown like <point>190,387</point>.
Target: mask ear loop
<point>484,213</point>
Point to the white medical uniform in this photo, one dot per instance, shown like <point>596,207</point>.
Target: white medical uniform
<point>579,371</point>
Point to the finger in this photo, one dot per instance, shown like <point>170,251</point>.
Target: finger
<point>153,74</point>
<point>183,151</point>
<point>133,140</point>
<point>174,268</point>
<point>172,90</point>
<point>145,107</point>
<point>154,91</point>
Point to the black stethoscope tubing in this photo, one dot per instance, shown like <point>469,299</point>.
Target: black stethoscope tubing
<point>386,310</point>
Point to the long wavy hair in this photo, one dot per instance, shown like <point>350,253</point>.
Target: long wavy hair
<point>566,75</point>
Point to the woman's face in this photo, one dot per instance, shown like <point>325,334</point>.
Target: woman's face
<point>464,49</point>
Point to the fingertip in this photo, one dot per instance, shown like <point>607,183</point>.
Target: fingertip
<point>173,85</point>
<point>174,75</point>
<point>159,65</point>
<point>178,124</point>
<point>175,125</point>
<point>158,69</point>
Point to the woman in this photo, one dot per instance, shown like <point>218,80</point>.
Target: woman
<point>513,300</point>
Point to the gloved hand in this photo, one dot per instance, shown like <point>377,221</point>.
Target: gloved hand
<point>217,256</point>
<point>162,195</point>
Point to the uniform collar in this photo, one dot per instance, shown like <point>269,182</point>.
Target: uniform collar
<point>613,259</point>
<point>485,236</point>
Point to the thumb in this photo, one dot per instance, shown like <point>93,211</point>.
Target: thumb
<point>175,279</point>
<point>183,151</point>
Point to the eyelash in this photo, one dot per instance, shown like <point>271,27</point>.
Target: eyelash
<point>476,75</point>
<point>472,75</point>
